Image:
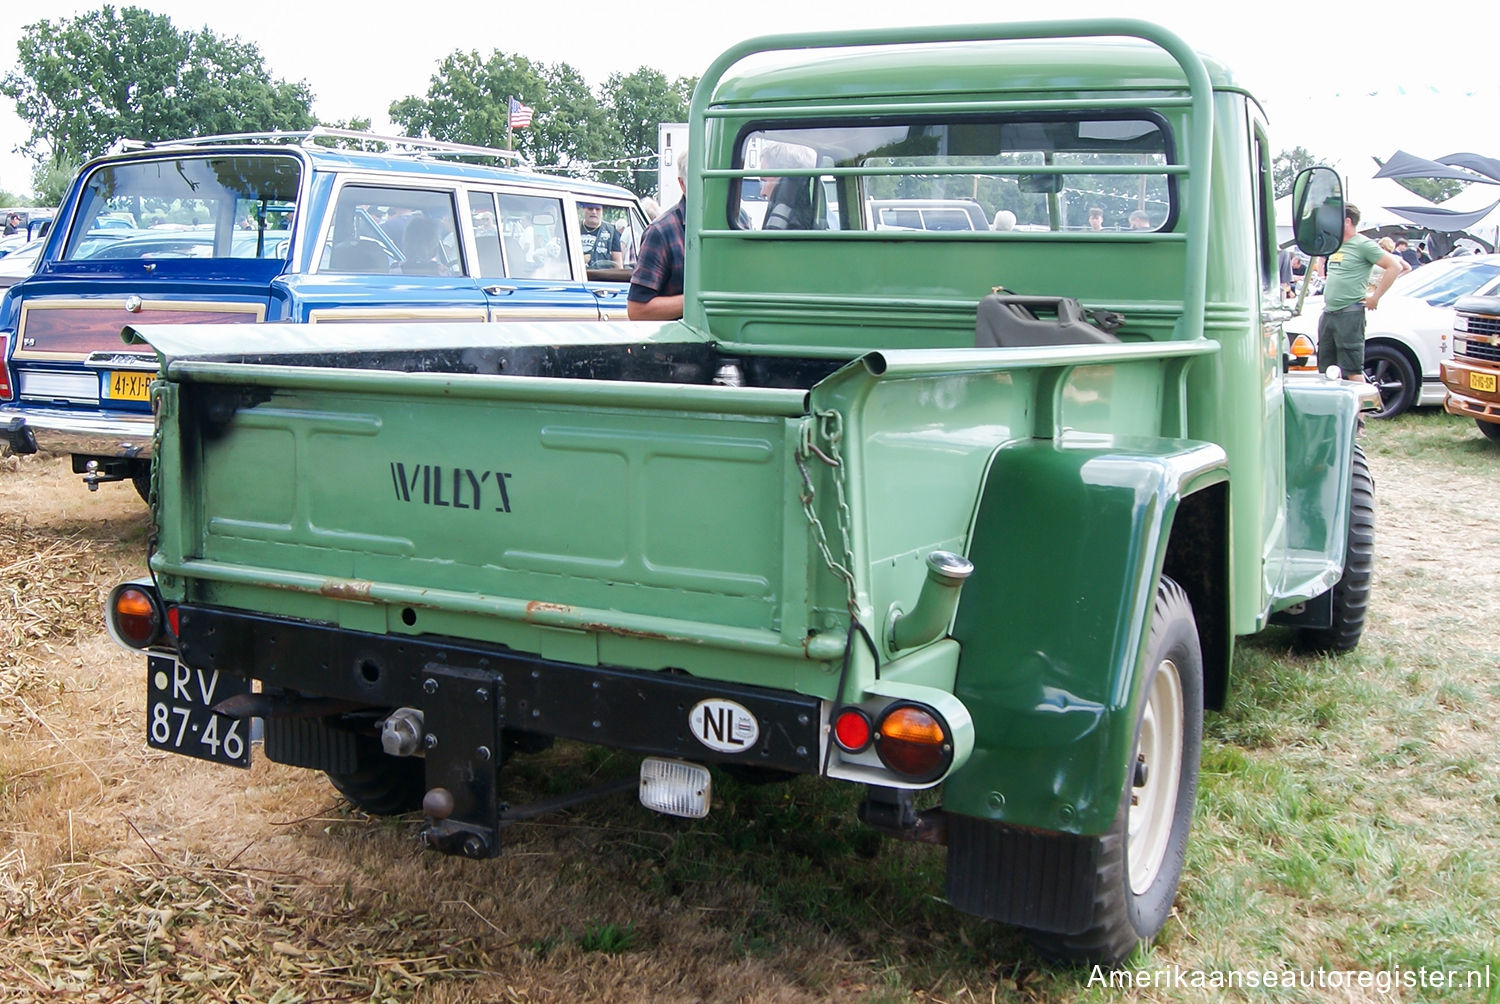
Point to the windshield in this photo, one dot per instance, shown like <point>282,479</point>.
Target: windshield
<point>1442,283</point>
<point>1060,172</point>
<point>187,207</point>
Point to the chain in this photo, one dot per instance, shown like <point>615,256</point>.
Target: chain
<point>830,427</point>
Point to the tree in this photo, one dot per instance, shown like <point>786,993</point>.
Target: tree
<point>1285,167</point>
<point>467,101</point>
<point>50,180</point>
<point>637,103</point>
<point>83,83</point>
<point>596,135</point>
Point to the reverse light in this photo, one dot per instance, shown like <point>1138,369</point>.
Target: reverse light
<point>914,741</point>
<point>676,787</point>
<point>852,730</point>
<point>134,614</point>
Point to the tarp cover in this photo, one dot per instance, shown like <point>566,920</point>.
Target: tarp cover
<point>1409,165</point>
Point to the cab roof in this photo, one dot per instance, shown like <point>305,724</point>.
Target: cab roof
<point>956,68</point>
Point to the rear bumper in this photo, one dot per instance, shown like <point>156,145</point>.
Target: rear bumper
<point>77,431</point>
<point>1462,398</point>
<point>647,712</point>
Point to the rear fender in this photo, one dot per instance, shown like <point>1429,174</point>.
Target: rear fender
<point>1069,540</point>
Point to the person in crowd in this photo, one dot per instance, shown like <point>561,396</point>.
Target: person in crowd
<point>1004,220</point>
<point>421,243</point>
<point>1423,258</point>
<point>1140,220</point>
<point>788,202</point>
<point>1407,253</point>
<point>12,224</point>
<point>1347,294</point>
<point>650,207</point>
<point>1389,247</point>
<point>656,284</point>
<point>601,241</point>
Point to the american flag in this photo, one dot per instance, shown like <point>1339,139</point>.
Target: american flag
<point>520,115</point>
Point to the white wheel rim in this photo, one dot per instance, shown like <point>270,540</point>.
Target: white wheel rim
<point>1153,805</point>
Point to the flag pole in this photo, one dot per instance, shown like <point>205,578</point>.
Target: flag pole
<point>510,102</point>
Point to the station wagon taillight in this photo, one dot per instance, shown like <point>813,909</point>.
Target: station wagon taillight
<point>5,386</point>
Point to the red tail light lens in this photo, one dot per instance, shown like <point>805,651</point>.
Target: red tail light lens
<point>852,730</point>
<point>5,390</point>
<point>135,616</point>
<point>913,741</point>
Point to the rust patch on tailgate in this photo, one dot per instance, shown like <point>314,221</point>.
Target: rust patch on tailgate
<point>346,589</point>
<point>538,607</point>
<point>628,633</point>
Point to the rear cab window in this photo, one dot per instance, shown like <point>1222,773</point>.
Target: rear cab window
<point>1026,174</point>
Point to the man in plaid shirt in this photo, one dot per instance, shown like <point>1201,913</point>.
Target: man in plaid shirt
<point>656,284</point>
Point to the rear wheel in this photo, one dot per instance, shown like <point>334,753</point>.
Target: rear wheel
<point>1351,594</point>
<point>1394,376</point>
<point>1139,861</point>
<point>383,785</point>
<point>1491,430</point>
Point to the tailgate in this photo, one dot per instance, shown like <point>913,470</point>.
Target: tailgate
<point>559,516</point>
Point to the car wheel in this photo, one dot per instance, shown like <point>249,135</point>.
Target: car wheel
<point>1351,594</point>
<point>1491,430</point>
<point>1139,861</point>
<point>1394,376</point>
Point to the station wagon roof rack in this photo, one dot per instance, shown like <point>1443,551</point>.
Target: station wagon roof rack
<point>396,146</point>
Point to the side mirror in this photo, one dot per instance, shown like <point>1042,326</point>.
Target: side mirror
<point>1318,211</point>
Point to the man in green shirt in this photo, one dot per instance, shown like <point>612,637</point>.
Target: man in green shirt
<point>1347,295</point>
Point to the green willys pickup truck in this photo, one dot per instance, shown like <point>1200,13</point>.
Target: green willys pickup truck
<point>859,514</point>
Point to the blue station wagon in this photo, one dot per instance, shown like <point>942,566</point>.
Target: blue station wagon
<point>280,228</point>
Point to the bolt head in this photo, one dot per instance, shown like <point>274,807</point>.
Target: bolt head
<point>429,686</point>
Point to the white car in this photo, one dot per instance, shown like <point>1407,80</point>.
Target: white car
<point>20,263</point>
<point>1411,331</point>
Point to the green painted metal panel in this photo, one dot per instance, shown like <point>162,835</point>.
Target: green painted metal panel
<point>1068,542</point>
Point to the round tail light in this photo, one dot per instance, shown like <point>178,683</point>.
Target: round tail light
<point>852,730</point>
<point>913,741</point>
<point>135,616</point>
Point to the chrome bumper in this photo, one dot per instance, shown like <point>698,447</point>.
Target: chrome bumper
<point>64,430</point>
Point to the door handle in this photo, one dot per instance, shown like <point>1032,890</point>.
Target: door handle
<point>498,290</point>
<point>603,293</point>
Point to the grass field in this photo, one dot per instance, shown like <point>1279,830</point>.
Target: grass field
<point>1348,821</point>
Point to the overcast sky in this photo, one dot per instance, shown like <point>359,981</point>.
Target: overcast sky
<point>1345,80</point>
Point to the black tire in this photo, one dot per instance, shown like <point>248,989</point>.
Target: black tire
<point>1394,376</point>
<point>142,482</point>
<point>383,785</point>
<point>1491,430</point>
<point>1140,859</point>
<point>1351,594</point>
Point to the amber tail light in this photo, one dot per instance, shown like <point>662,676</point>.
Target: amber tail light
<point>914,741</point>
<point>134,612</point>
